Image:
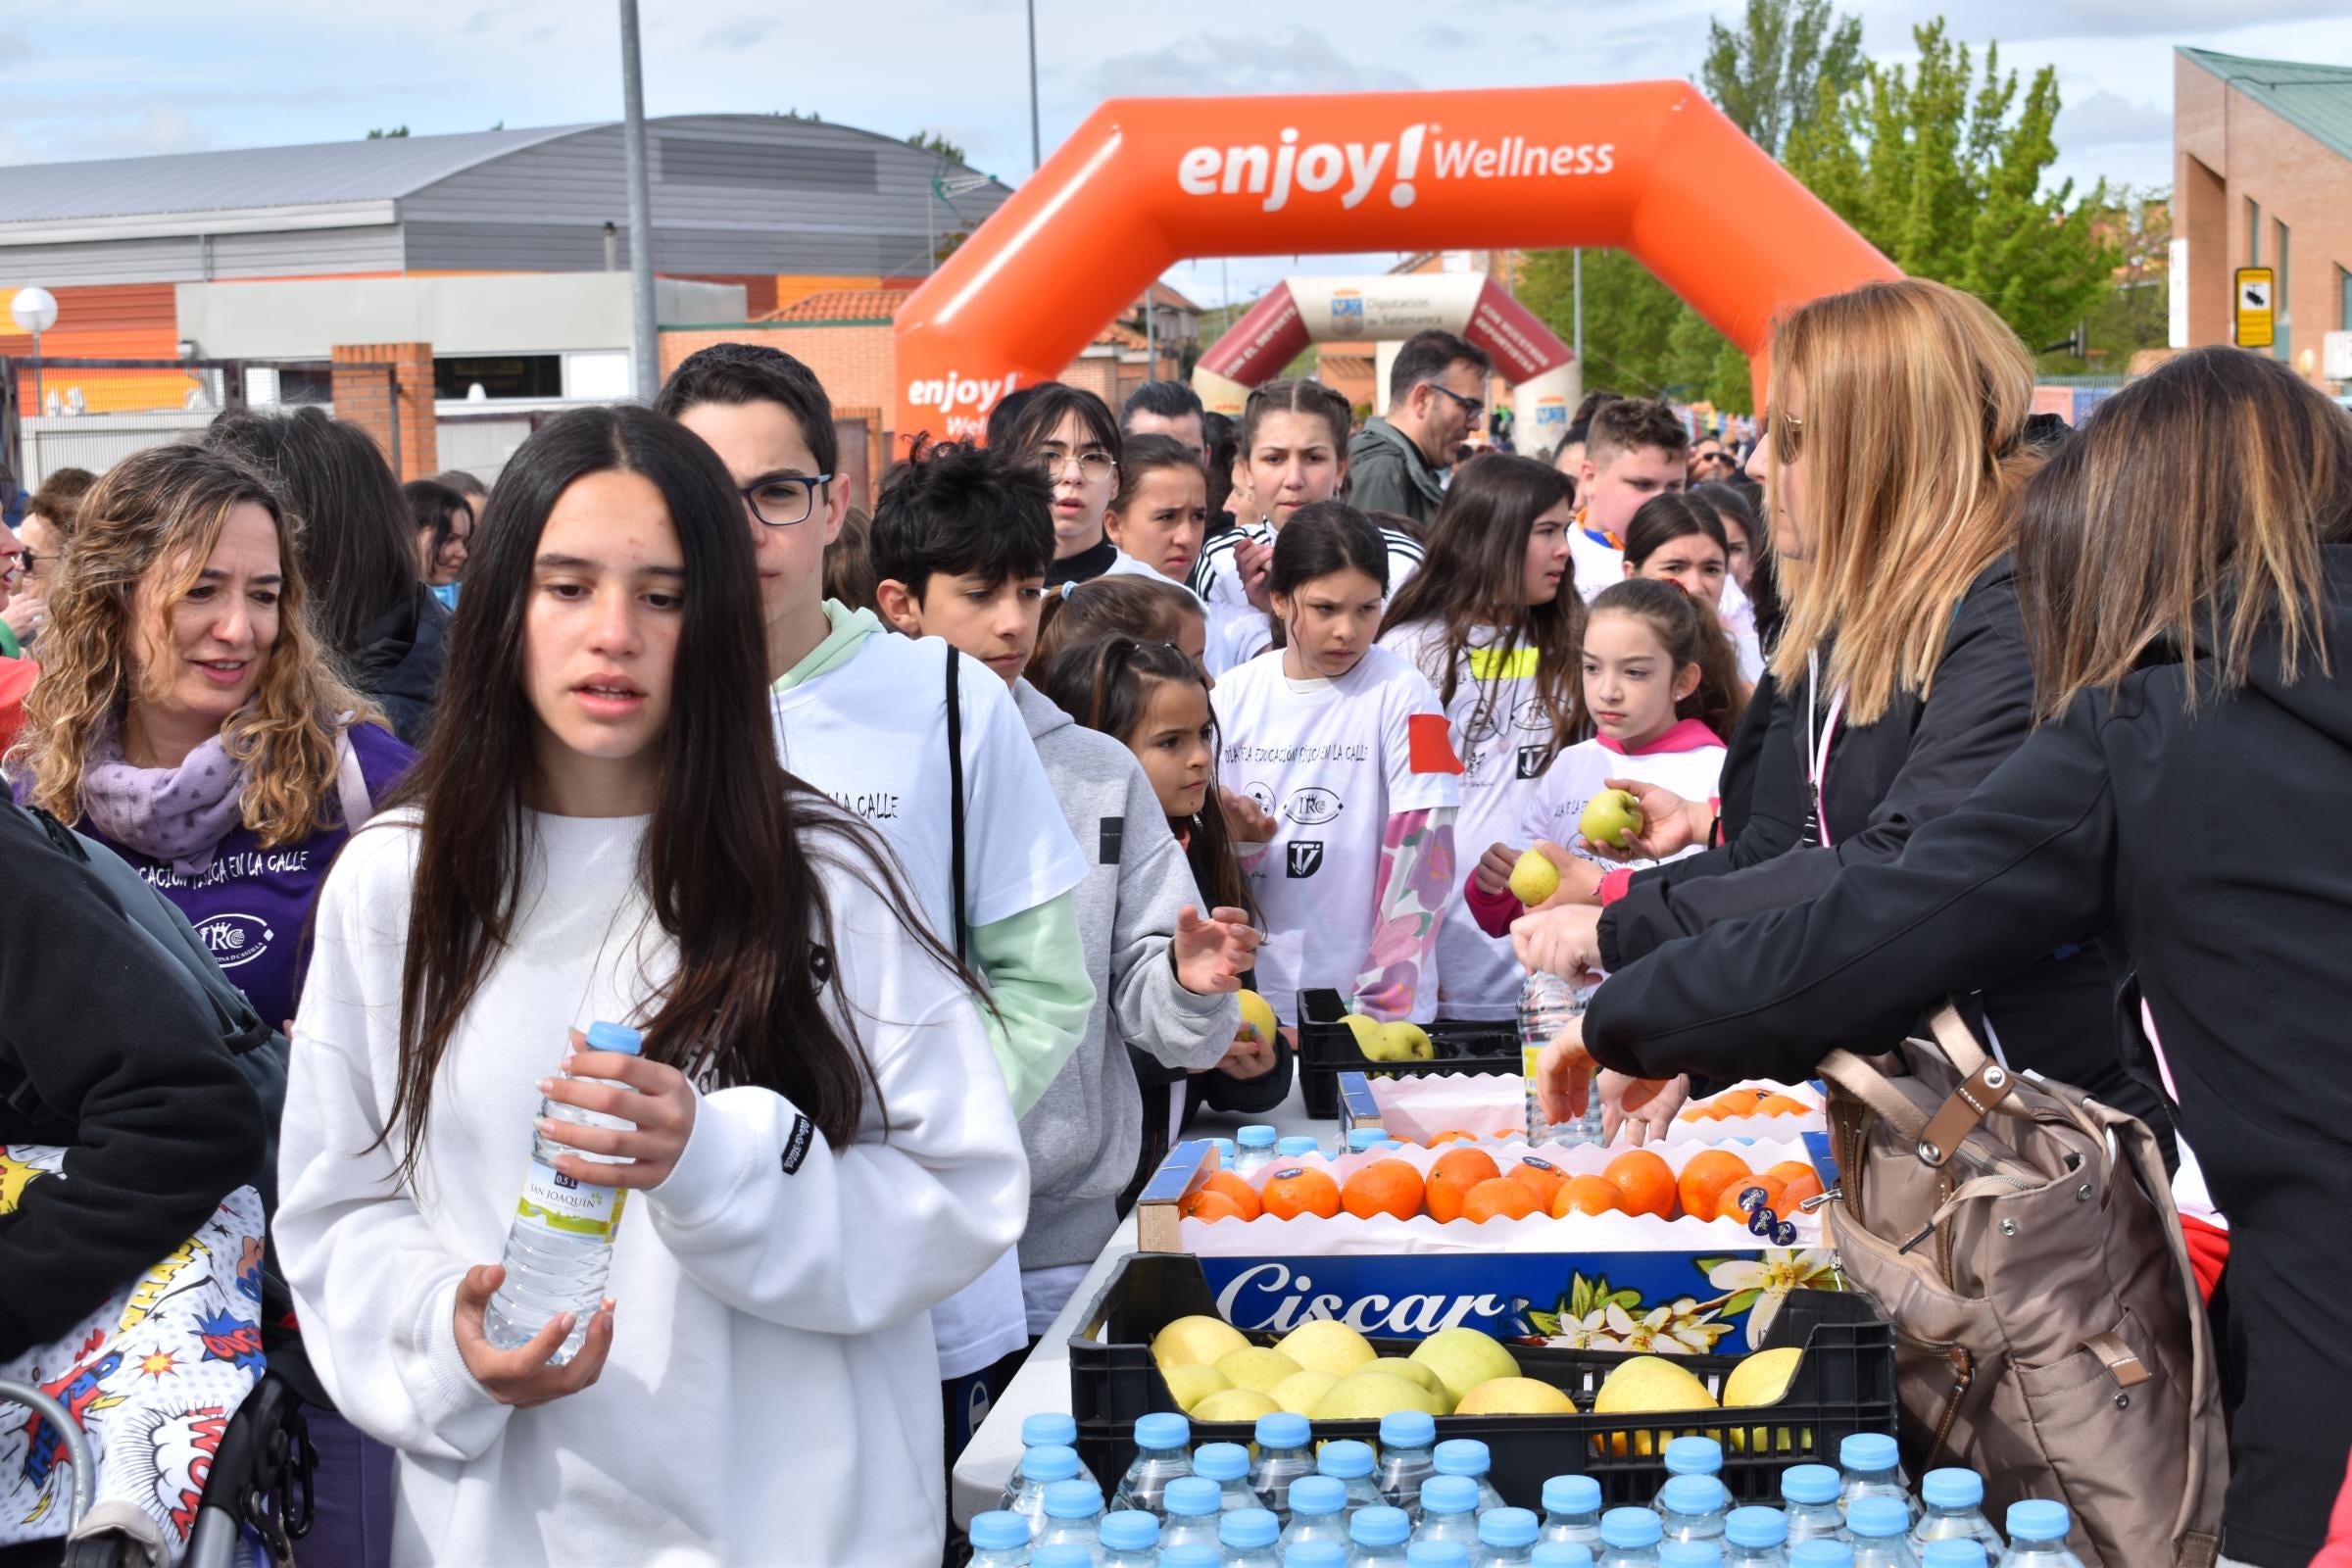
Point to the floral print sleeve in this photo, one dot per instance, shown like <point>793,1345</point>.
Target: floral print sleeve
<point>1416,879</point>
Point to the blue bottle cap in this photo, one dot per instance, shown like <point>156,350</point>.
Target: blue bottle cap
<point>1463,1456</point>
<point>1317,1494</point>
<point>1347,1459</point>
<point>1370,1527</point>
<point>1163,1429</point>
<point>1221,1461</point>
<point>1049,1426</point>
<point>1868,1451</point>
<point>1451,1495</point>
<point>1130,1530</point>
<point>1952,1488</point>
<point>1436,1554</point>
<point>1072,1500</point>
<point>1192,1496</point>
<point>998,1530</point>
<point>1878,1516</point>
<point>1387,1143</point>
<point>1755,1527</point>
<point>1693,1494</point>
<point>1225,1152</point>
<point>1631,1527</point>
<point>1316,1555</point>
<point>1245,1528</point>
<point>1063,1554</point>
<point>1562,1554</point>
<point>1049,1462</point>
<point>1689,1555</point>
<point>617,1037</point>
<point>1953,1554</point>
<point>1807,1483</point>
<point>1196,1554</point>
<point>1257,1135</point>
<point>1571,1495</point>
<point>1282,1429</point>
<point>1507,1527</point>
<point>1295,1146</point>
<point>1407,1429</point>
<point>2038,1519</point>
<point>1821,1553</point>
<point>1694,1457</point>
<point>1363,1137</point>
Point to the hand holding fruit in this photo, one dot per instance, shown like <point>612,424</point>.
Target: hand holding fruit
<point>1564,939</point>
<point>1246,1057</point>
<point>1495,867</point>
<point>1646,1106</point>
<point>1572,879</point>
<point>1663,823</point>
<point>1212,954</point>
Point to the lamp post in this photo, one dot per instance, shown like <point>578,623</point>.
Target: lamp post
<point>646,330</point>
<point>34,310</point>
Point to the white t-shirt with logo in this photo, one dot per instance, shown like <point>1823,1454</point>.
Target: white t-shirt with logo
<point>1503,736</point>
<point>1687,759</point>
<point>1331,761</point>
<point>1594,562</point>
<point>1236,634</point>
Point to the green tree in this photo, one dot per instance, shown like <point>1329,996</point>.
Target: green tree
<point>381,134</point>
<point>933,142</point>
<point>1772,74</point>
<point>1639,336</point>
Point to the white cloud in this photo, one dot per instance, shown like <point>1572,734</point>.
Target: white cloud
<point>2101,118</point>
<point>1302,60</point>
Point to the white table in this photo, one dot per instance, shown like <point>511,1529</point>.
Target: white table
<point>1044,1380</point>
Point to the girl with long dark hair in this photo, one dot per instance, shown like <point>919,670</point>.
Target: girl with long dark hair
<point>600,830</point>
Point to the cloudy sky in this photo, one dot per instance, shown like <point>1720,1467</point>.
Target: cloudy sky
<point>100,78</point>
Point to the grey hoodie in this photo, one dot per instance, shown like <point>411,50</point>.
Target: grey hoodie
<point>1082,1136</point>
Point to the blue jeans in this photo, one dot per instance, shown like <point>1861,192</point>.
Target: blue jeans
<point>351,1522</point>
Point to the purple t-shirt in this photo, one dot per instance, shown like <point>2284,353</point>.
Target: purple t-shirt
<point>252,906</point>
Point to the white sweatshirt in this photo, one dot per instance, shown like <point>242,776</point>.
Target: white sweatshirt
<point>772,1393</point>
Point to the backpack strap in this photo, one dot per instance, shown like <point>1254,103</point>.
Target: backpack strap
<point>963,931</point>
<point>351,784</point>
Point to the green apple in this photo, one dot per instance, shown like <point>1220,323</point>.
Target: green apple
<point>1257,1016</point>
<point>1407,1042</point>
<point>1533,878</point>
<point>1613,818</point>
<point>1464,1358</point>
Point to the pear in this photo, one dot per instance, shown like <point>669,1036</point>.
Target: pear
<point>1326,1345</point>
<point>1464,1358</point>
<point>1257,1016</point>
<point>1197,1341</point>
<point>1254,1368</point>
<point>1613,816</point>
<point>1533,878</point>
<point>1193,1383</point>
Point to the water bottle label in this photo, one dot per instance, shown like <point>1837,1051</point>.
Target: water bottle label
<point>575,1208</point>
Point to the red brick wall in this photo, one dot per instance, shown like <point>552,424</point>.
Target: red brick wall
<point>374,402</point>
<point>856,362</point>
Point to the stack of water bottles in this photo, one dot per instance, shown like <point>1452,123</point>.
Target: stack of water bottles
<point>1415,1502</point>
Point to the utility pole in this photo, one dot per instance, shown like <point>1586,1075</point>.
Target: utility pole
<point>646,338</point>
<point>1575,280</point>
<point>1037,155</point>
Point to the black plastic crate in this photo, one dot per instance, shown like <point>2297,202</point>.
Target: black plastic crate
<point>1844,1385</point>
<point>1327,1048</point>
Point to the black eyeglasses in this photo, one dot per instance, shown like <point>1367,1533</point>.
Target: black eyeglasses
<point>784,501</point>
<point>1473,407</point>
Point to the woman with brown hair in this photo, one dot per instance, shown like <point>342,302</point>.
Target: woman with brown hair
<point>1893,469</point>
<point>2185,570</point>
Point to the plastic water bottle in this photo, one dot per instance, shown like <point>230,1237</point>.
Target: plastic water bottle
<point>1950,1552</point>
<point>1408,1439</point>
<point>1190,1554</point>
<point>1318,1511</point>
<point>1879,1528</point>
<point>1284,1454</point>
<point>1546,1003</point>
<point>1040,1467</point>
<point>1560,1554</point>
<point>1467,1457</point>
<point>1255,1149</point>
<point>1290,1148</point>
<point>1821,1551</point>
<point>1755,1537</point>
<point>1045,1429</point>
<point>2037,1531</point>
<point>1163,1454</point>
<point>1629,1539</point>
<point>1873,1469</point>
<point>1192,1510</point>
<point>1228,1465</point>
<point>1693,1508</point>
<point>1129,1539</point>
<point>1358,1140</point>
<point>1689,1456</point>
<point>999,1540</point>
<point>560,1248</point>
<point>1063,1554</point>
<point>1572,1511</point>
<point>1436,1554</point>
<point>1226,1151</point>
<point>1248,1536</point>
<point>1507,1538</point>
<point>1450,1511</point>
<point>1316,1555</point>
<point>1073,1516</point>
<point>1689,1555</point>
<point>1377,1537</point>
<point>1955,1511</point>
<point>1809,1498</point>
<point>1350,1464</point>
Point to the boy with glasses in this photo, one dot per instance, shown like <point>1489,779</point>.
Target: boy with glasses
<point>1437,395</point>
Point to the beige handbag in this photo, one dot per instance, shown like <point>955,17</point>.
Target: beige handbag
<point>2049,1336</point>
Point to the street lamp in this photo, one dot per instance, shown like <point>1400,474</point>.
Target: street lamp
<point>34,310</point>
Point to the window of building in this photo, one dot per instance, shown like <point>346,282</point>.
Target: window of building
<point>2343,303</point>
<point>500,376</point>
<point>2282,301</point>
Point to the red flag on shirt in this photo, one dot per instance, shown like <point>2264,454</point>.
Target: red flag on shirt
<point>1430,748</point>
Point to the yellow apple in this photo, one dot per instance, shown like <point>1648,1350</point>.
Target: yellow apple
<point>1301,1391</point>
<point>1463,1358</point>
<point>1515,1397</point>
<point>1256,1368</point>
<point>1234,1405</point>
<point>1369,1395</point>
<point>1613,816</point>
<point>1193,1383</point>
<point>1645,1386</point>
<point>1257,1016</point>
<point>1326,1345</point>
<point>1197,1341</point>
<point>1533,878</point>
<point>1407,1042</point>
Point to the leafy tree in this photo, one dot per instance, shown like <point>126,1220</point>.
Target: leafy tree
<point>1772,74</point>
<point>381,134</point>
<point>932,142</point>
<point>2134,314</point>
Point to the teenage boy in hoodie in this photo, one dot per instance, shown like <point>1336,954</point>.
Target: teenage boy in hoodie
<point>961,544</point>
<point>863,715</point>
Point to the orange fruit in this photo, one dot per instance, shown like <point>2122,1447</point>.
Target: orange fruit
<point>1781,1105</point>
<point>1456,1136</point>
<point>1541,1177</point>
<point>1646,1180</point>
<point>1383,1187</point>
<point>1500,1198</point>
<point>1298,1190</point>
<point>1209,1208</point>
<point>1789,1170</point>
<point>1705,1176</point>
<point>1736,1102</point>
<point>1726,1202</point>
<point>1799,1188</point>
<point>1244,1197</point>
<point>1587,1194</point>
<point>1451,1177</point>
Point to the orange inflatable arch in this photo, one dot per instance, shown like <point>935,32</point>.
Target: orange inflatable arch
<point>1144,182</point>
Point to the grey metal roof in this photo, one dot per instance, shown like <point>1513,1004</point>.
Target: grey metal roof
<point>2316,98</point>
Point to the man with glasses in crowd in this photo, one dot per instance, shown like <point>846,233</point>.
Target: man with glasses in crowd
<point>1437,395</point>
<point>1711,462</point>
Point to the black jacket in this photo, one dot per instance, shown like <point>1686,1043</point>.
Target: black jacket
<point>106,1054</point>
<point>1884,780</point>
<point>2212,857</point>
<point>400,663</point>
